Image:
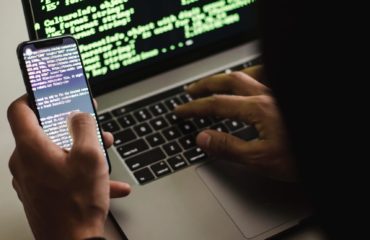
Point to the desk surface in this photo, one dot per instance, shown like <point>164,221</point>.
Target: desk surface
<point>13,224</point>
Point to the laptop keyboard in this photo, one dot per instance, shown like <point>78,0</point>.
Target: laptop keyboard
<point>153,142</point>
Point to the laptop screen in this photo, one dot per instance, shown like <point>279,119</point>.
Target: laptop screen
<point>122,41</point>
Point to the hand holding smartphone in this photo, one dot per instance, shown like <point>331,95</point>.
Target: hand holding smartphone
<point>57,86</point>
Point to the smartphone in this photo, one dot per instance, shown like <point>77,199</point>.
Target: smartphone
<point>57,85</point>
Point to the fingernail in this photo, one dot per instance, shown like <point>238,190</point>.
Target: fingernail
<point>203,140</point>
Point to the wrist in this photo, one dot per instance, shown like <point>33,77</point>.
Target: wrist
<point>78,233</point>
<point>74,230</point>
<point>91,230</point>
<point>88,223</point>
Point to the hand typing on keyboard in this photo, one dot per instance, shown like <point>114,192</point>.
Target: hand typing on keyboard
<point>65,194</point>
<point>238,96</point>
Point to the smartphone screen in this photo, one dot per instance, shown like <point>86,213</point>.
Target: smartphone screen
<point>58,85</point>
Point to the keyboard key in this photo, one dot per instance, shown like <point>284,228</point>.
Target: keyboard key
<point>171,133</point>
<point>143,129</point>
<point>177,162</point>
<point>146,101</point>
<point>161,169</point>
<point>159,123</point>
<point>216,119</point>
<point>110,126</point>
<point>253,62</point>
<point>144,176</point>
<point>142,115</point>
<point>145,159</point>
<point>188,142</point>
<point>185,98</point>
<point>247,134</point>
<point>220,128</point>
<point>172,118</point>
<point>126,121</point>
<point>131,107</point>
<point>187,127</point>
<point>246,65</point>
<point>202,122</point>
<point>133,148</point>
<point>124,137</point>
<point>155,139</point>
<point>104,117</point>
<point>173,103</point>
<point>238,68</point>
<point>233,125</point>
<point>120,111</point>
<point>158,109</point>
<point>172,148</point>
<point>195,155</point>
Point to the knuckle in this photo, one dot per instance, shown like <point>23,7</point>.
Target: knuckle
<point>206,83</point>
<point>266,100</point>
<point>216,100</point>
<point>214,103</point>
<point>11,165</point>
<point>228,148</point>
<point>11,109</point>
<point>263,102</point>
<point>255,85</point>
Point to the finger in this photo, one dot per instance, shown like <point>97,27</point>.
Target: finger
<point>229,147</point>
<point>108,139</point>
<point>255,72</point>
<point>95,103</point>
<point>86,147</point>
<point>233,107</point>
<point>29,135</point>
<point>82,128</point>
<point>236,83</point>
<point>23,121</point>
<point>119,189</point>
<point>12,164</point>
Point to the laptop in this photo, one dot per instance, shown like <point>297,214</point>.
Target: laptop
<point>138,56</point>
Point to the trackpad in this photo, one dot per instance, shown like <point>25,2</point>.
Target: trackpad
<point>256,205</point>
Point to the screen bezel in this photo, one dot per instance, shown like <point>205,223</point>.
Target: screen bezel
<point>101,87</point>
<point>46,43</point>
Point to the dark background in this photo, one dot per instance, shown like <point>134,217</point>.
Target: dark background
<point>314,55</point>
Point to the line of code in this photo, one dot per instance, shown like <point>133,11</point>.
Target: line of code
<point>112,36</point>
